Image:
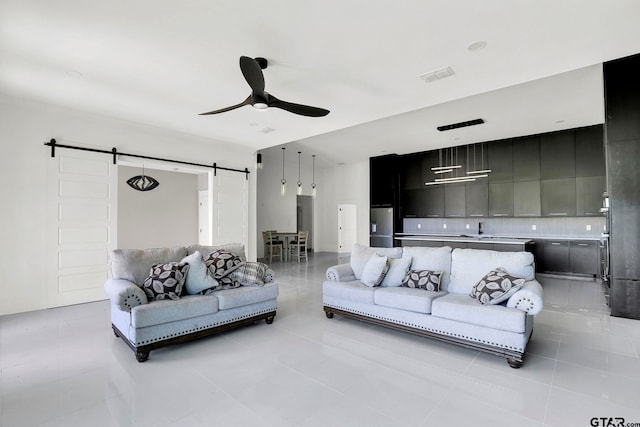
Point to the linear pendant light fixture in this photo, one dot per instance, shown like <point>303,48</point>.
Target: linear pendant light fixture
<point>283,182</point>
<point>469,176</point>
<point>482,170</point>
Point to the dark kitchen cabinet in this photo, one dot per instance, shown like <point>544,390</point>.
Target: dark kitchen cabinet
<point>526,159</point>
<point>410,201</point>
<point>432,202</point>
<point>501,199</point>
<point>590,151</point>
<point>500,159</point>
<point>454,200</point>
<point>526,198</point>
<point>584,257</point>
<point>556,256</point>
<point>538,254</point>
<point>589,191</point>
<point>410,168</point>
<point>558,197</point>
<point>383,177</point>
<point>477,198</point>
<point>557,155</point>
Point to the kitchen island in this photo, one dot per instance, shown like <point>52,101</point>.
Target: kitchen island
<point>471,241</point>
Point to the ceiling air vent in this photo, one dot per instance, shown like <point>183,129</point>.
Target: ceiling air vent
<point>265,129</point>
<point>437,75</point>
<point>460,125</point>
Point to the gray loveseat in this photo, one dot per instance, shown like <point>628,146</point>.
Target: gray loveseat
<point>146,324</point>
<point>448,314</point>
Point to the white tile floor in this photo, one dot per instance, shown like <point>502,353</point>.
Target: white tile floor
<point>64,367</point>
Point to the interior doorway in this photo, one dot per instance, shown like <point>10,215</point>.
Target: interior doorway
<point>304,218</point>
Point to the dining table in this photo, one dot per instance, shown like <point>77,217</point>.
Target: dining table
<point>285,236</point>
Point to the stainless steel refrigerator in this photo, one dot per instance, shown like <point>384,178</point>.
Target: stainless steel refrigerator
<point>381,228</point>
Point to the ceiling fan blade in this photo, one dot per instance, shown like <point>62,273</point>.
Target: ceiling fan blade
<point>303,110</point>
<point>233,107</point>
<point>252,73</point>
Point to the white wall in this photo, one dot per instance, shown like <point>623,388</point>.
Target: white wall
<point>23,226</point>
<point>164,216</point>
<point>346,184</point>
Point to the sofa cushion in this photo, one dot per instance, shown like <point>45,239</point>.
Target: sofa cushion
<point>470,310</point>
<point>232,298</point>
<point>159,312</point>
<point>198,277</point>
<point>360,256</point>
<point>423,279</point>
<point>375,270</point>
<point>134,264</point>
<point>468,266</point>
<point>252,274</point>
<point>398,268</point>
<point>434,259</point>
<point>417,300</point>
<point>222,262</point>
<point>351,291</point>
<point>165,281</point>
<point>235,248</point>
<point>496,286</point>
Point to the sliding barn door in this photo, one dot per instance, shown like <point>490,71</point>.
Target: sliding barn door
<point>230,208</point>
<point>82,213</point>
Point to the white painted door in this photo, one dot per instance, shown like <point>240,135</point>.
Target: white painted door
<point>229,201</point>
<point>81,226</point>
<point>346,227</point>
<point>204,218</point>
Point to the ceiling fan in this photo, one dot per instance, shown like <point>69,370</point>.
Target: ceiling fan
<point>252,71</point>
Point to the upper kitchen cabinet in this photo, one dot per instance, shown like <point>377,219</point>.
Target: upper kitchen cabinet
<point>589,191</point>
<point>501,199</point>
<point>526,159</point>
<point>454,200</point>
<point>410,169</point>
<point>590,151</point>
<point>557,155</point>
<point>383,178</point>
<point>500,159</point>
<point>429,160</point>
<point>432,202</point>
<point>477,198</point>
<point>410,203</point>
<point>558,197</point>
<point>526,198</point>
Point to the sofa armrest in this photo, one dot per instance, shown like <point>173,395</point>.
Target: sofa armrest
<point>124,294</point>
<point>340,273</point>
<point>529,298</point>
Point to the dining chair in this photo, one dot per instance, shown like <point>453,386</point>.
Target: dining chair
<point>272,246</point>
<point>298,247</point>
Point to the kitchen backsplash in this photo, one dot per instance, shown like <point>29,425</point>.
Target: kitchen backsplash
<point>509,227</point>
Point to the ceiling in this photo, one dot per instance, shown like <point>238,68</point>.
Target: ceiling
<point>162,62</point>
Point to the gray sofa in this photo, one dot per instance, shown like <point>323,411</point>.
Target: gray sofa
<point>145,324</point>
<point>449,314</point>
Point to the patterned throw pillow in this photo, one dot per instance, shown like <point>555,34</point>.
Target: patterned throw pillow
<point>221,262</point>
<point>423,279</point>
<point>496,287</point>
<point>165,281</point>
<point>251,274</point>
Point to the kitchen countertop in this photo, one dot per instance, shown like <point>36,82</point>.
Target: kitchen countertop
<point>487,238</point>
<point>462,238</point>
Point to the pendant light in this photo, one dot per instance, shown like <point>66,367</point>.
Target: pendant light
<point>259,161</point>
<point>142,182</point>
<point>313,183</point>
<point>283,181</point>
<point>482,169</point>
<point>299,192</point>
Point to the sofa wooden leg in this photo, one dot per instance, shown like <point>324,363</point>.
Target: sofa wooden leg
<point>269,319</point>
<point>329,314</point>
<point>515,364</point>
<point>142,356</point>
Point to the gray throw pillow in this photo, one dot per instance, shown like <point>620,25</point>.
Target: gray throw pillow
<point>496,286</point>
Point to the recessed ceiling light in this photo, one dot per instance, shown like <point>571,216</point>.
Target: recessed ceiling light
<point>476,46</point>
